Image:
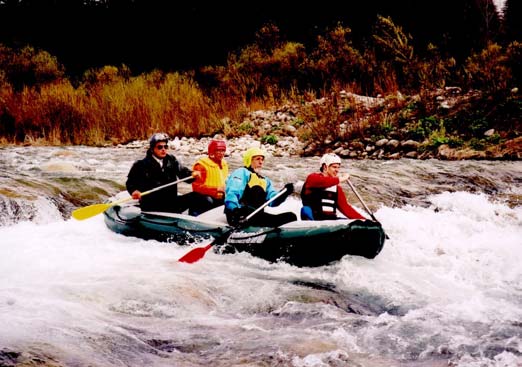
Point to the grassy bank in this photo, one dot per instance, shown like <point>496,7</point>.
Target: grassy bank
<point>423,96</point>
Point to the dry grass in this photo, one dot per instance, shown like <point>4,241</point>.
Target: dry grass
<point>110,106</point>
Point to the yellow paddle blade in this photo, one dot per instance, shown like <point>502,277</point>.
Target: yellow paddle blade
<point>90,211</point>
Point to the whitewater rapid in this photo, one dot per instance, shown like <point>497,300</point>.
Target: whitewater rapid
<point>445,290</point>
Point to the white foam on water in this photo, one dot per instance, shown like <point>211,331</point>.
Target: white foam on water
<point>447,287</point>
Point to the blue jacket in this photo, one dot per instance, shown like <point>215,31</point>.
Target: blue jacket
<point>235,188</point>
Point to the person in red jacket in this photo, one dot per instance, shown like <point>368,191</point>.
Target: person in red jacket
<point>322,194</point>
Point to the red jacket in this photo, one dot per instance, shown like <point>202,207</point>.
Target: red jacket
<point>317,180</point>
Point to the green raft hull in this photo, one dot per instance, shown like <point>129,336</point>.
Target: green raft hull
<point>300,243</point>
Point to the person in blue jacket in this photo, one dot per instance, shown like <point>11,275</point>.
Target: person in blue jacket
<point>246,189</point>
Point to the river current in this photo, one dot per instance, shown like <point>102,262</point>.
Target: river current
<point>446,290</point>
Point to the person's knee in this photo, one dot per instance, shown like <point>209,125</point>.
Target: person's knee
<point>200,204</point>
<point>292,217</point>
<point>306,213</point>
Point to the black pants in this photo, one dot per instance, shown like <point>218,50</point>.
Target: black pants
<point>202,203</point>
<point>166,203</point>
<point>272,220</point>
<point>263,219</point>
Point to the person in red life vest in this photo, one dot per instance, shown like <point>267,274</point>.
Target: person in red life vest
<point>322,194</point>
<point>209,187</point>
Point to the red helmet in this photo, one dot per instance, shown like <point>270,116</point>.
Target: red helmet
<point>215,145</point>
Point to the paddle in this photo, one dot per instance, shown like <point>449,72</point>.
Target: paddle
<point>196,254</point>
<point>95,209</point>
<point>364,204</point>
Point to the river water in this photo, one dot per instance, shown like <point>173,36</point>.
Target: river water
<point>446,290</point>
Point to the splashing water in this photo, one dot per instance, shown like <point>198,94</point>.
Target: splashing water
<point>445,290</point>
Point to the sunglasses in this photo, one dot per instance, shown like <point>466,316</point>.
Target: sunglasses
<point>160,147</point>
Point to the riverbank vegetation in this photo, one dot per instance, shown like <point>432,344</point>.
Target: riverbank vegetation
<point>389,87</point>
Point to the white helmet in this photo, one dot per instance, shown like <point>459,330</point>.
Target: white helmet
<point>329,158</point>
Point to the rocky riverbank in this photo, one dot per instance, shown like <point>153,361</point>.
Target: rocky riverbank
<point>287,146</point>
<point>281,128</point>
<point>281,131</point>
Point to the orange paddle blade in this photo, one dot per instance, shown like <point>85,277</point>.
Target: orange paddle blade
<point>194,255</point>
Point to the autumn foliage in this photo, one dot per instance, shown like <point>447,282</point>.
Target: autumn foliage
<point>39,104</point>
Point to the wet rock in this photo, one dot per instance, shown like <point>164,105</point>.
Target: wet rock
<point>344,153</point>
<point>357,145</point>
<point>409,145</point>
<point>447,153</point>
<point>392,145</point>
<point>490,132</point>
<point>8,358</point>
<point>511,149</point>
<point>381,143</point>
<point>394,156</point>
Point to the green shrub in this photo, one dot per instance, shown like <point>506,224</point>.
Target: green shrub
<point>479,125</point>
<point>437,140</point>
<point>386,126</point>
<point>477,144</point>
<point>415,131</point>
<point>423,128</point>
<point>246,127</point>
<point>439,137</point>
<point>298,122</point>
<point>269,139</point>
<point>455,142</point>
<point>494,139</point>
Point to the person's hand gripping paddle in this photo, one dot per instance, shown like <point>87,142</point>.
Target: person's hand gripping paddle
<point>95,209</point>
<point>196,254</point>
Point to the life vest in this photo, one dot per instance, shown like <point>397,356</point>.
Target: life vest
<point>322,201</point>
<point>216,175</point>
<point>255,191</point>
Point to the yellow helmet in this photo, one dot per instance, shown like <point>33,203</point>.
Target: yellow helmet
<point>247,157</point>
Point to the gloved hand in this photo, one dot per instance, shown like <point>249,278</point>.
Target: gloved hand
<point>237,216</point>
<point>289,188</point>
